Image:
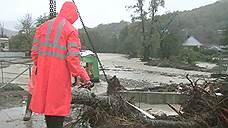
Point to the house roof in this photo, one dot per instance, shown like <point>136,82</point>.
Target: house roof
<point>191,41</point>
<point>214,47</point>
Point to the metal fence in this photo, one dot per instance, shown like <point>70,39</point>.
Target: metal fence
<point>15,72</point>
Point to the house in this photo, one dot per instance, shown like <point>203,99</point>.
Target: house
<point>192,42</point>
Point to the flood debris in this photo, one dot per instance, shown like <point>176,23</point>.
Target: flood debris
<point>106,111</point>
<point>114,86</point>
<point>201,109</point>
<point>113,111</point>
<point>203,105</point>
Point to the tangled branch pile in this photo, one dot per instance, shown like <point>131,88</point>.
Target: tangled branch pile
<point>203,105</point>
<point>201,109</point>
<point>113,111</point>
<point>106,111</point>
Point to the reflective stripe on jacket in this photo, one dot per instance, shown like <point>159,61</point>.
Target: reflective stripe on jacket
<point>55,52</point>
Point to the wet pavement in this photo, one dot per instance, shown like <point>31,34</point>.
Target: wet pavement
<point>12,118</point>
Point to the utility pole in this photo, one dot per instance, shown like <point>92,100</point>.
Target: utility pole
<point>52,8</point>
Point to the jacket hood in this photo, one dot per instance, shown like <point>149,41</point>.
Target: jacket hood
<point>69,11</point>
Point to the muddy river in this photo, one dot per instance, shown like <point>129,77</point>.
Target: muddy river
<point>122,67</point>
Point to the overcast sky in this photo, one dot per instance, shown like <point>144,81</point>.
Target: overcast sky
<point>93,12</point>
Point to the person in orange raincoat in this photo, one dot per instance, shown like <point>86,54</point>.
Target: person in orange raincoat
<point>56,53</point>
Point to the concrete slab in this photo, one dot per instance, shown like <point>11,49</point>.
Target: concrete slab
<point>153,97</point>
<point>159,109</point>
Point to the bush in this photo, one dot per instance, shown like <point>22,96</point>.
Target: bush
<point>189,56</point>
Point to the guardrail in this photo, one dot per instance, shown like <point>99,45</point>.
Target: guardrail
<point>14,72</point>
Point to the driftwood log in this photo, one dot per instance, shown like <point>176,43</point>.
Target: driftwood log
<point>117,107</point>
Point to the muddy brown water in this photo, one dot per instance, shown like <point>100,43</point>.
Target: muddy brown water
<point>122,67</point>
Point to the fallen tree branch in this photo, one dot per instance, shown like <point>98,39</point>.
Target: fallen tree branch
<point>174,109</point>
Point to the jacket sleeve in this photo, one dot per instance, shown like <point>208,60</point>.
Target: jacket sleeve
<point>35,47</point>
<point>73,56</point>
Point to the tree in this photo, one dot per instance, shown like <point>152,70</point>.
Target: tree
<point>114,44</point>
<point>26,26</point>
<point>122,39</point>
<point>150,48</point>
<point>170,46</point>
<point>133,44</point>
<point>140,15</point>
<point>19,43</point>
<point>225,36</point>
<point>23,40</point>
<point>165,30</point>
<point>153,9</point>
<point>41,19</point>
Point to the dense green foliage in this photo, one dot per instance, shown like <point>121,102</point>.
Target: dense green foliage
<point>19,42</point>
<point>41,19</point>
<point>165,35</point>
<point>224,40</point>
<point>23,40</point>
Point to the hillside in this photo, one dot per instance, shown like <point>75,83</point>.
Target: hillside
<point>104,36</point>
<point>203,23</point>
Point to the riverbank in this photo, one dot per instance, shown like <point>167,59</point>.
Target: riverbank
<point>197,66</point>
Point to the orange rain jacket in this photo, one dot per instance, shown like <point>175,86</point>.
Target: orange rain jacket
<point>55,52</point>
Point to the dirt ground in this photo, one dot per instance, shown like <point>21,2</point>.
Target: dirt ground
<point>12,107</point>
<point>12,97</point>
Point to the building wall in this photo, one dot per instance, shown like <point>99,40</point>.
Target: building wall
<point>12,54</point>
<point>4,44</point>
